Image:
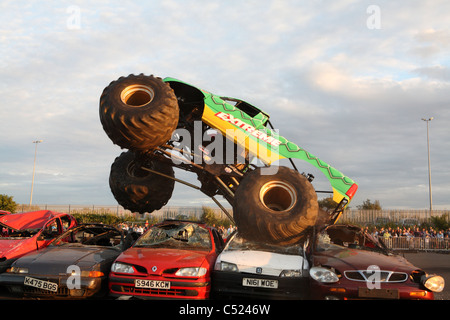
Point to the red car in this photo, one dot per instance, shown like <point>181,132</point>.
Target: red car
<point>173,259</point>
<point>348,263</point>
<point>22,233</point>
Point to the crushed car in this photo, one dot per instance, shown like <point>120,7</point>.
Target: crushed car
<point>166,124</point>
<point>349,263</point>
<point>75,265</point>
<point>256,270</point>
<point>172,259</point>
<point>22,233</point>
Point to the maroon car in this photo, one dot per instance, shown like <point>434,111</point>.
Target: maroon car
<point>348,263</point>
<point>22,233</point>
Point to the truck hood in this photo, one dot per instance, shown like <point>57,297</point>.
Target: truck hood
<point>267,263</point>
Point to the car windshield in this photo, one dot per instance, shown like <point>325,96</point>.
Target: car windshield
<point>188,236</point>
<point>90,236</point>
<point>240,243</point>
<point>9,233</point>
<point>347,236</point>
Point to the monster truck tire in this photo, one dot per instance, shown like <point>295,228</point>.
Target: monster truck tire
<point>275,208</point>
<point>139,112</point>
<point>139,190</point>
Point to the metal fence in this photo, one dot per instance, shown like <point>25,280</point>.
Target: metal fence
<point>403,217</point>
<point>360,217</point>
<point>417,244</point>
<point>168,212</point>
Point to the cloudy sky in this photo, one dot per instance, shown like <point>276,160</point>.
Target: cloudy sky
<point>347,80</point>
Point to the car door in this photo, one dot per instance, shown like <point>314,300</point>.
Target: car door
<point>51,230</point>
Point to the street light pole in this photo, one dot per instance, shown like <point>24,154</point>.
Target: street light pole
<point>34,168</point>
<point>429,165</point>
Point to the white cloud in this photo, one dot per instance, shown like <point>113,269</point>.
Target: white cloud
<point>350,95</point>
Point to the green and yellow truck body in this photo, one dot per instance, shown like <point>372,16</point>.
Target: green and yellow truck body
<point>251,133</point>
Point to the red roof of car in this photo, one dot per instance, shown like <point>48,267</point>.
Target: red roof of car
<point>28,220</point>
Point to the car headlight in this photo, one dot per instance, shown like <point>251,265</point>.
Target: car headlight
<point>191,272</point>
<point>433,283</point>
<point>122,267</point>
<point>324,275</point>
<point>226,266</point>
<point>17,270</point>
<point>291,273</point>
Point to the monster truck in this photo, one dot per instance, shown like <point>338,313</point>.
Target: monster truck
<point>167,123</point>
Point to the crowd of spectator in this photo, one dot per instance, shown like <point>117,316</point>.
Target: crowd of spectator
<point>409,232</point>
<point>135,227</point>
<point>412,237</point>
<point>225,232</point>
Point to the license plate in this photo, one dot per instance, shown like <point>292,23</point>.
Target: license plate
<point>260,283</point>
<point>152,284</point>
<point>41,284</point>
<point>378,293</point>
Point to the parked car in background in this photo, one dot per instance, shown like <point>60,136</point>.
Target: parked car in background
<point>257,270</point>
<point>22,233</point>
<point>348,263</point>
<point>75,265</point>
<point>3,212</point>
<point>172,259</point>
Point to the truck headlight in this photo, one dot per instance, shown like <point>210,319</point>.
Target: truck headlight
<point>323,275</point>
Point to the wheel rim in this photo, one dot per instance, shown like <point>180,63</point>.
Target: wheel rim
<point>278,196</point>
<point>137,95</point>
<point>135,170</point>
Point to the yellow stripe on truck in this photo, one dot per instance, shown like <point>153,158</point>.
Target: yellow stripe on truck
<point>251,139</point>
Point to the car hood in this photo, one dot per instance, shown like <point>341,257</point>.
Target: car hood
<point>11,248</point>
<point>268,263</point>
<point>56,259</point>
<point>342,259</point>
<point>8,244</point>
<point>27,220</point>
<point>160,259</point>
